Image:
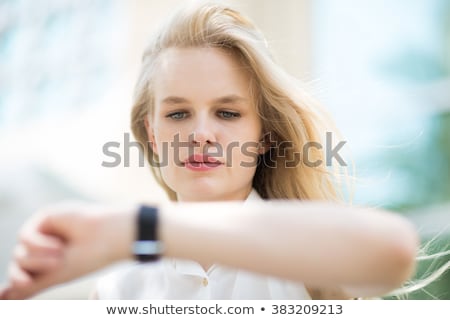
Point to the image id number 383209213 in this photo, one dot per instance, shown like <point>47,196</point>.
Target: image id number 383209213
<point>307,309</point>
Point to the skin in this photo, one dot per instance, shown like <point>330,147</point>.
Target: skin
<point>371,252</point>
<point>357,252</point>
<point>203,96</point>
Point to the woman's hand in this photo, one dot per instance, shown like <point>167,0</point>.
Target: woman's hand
<point>66,241</point>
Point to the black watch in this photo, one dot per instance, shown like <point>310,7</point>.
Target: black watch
<point>147,246</point>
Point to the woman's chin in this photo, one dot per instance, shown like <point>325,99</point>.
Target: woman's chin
<point>199,191</point>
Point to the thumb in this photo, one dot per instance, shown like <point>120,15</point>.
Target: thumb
<point>4,292</point>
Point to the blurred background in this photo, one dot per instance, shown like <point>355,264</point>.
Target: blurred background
<point>381,68</point>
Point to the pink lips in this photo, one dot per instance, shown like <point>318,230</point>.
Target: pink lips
<point>201,162</point>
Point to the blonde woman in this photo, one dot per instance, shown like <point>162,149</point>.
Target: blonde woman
<point>255,212</point>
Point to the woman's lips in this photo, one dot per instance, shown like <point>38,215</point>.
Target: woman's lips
<point>201,162</point>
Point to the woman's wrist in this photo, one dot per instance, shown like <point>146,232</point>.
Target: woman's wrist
<point>133,233</point>
<point>120,229</point>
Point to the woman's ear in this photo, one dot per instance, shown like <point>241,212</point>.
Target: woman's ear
<point>150,135</point>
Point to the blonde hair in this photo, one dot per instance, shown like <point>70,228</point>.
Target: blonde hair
<point>288,114</point>
<point>432,273</point>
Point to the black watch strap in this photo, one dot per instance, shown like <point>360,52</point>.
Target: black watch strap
<point>147,246</point>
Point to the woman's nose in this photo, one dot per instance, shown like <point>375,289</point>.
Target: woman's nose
<point>203,132</point>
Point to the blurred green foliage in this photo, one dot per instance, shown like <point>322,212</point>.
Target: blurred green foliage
<point>425,167</point>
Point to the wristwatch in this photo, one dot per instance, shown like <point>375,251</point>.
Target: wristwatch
<point>147,246</point>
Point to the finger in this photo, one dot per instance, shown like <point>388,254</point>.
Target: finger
<point>4,292</point>
<point>14,293</point>
<point>38,242</point>
<point>23,285</point>
<point>35,263</point>
<point>18,277</point>
<point>31,260</point>
<point>35,284</point>
<point>55,222</point>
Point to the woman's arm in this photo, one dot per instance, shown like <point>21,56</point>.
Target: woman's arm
<point>364,252</point>
<point>323,245</point>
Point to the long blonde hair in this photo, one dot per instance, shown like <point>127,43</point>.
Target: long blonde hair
<point>288,114</point>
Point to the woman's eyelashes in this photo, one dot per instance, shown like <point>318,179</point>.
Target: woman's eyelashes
<point>178,115</point>
<point>228,114</point>
<point>223,114</point>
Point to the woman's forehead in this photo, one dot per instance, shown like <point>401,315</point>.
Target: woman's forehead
<point>201,70</point>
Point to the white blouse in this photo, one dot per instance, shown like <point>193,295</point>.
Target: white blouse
<point>184,280</point>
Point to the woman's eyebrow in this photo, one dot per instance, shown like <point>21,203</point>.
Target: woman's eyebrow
<point>174,100</point>
<point>228,99</point>
<point>232,98</point>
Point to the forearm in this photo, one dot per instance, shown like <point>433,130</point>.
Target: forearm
<point>323,245</point>
<point>318,243</point>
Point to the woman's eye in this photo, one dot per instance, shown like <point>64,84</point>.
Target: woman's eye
<point>177,115</point>
<point>229,114</point>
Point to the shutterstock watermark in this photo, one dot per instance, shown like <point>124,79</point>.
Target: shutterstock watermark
<point>270,151</point>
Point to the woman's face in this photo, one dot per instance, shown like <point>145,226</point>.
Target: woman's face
<point>205,128</point>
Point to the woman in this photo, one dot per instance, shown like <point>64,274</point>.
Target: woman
<point>255,214</point>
